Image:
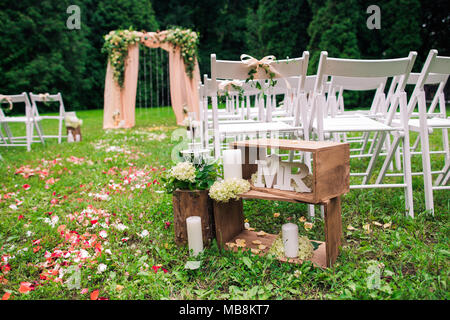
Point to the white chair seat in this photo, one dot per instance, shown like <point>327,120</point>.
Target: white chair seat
<point>353,124</point>
<point>17,119</point>
<point>414,124</point>
<point>236,128</point>
<point>237,121</point>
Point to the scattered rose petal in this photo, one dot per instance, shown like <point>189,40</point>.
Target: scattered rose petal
<point>94,294</point>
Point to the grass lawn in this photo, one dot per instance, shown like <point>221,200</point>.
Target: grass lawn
<point>84,220</point>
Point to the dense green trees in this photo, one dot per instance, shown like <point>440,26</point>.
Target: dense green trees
<point>39,53</point>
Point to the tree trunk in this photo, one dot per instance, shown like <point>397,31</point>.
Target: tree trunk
<point>188,203</point>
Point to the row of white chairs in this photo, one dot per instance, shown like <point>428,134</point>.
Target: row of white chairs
<point>313,107</point>
<point>31,118</point>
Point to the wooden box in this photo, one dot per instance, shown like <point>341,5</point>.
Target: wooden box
<point>187,203</point>
<point>331,179</point>
<point>330,166</point>
<point>74,131</point>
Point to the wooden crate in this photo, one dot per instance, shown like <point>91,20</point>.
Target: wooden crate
<point>187,203</point>
<point>330,166</point>
<point>331,179</point>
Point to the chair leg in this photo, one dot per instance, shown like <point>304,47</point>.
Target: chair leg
<point>388,161</point>
<point>426,164</point>
<point>408,175</point>
<point>374,158</point>
<point>60,130</point>
<point>447,157</point>
<point>29,132</point>
<point>407,171</point>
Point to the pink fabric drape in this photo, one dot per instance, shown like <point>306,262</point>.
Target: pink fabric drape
<point>183,89</point>
<point>119,99</point>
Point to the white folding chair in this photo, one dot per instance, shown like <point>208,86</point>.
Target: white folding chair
<point>323,125</point>
<point>237,70</point>
<point>436,70</point>
<point>48,98</point>
<point>30,119</point>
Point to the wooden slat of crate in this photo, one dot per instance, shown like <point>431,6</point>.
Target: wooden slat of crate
<point>332,229</point>
<point>331,167</point>
<point>283,195</point>
<point>285,144</point>
<point>319,258</point>
<point>331,172</point>
<point>229,220</point>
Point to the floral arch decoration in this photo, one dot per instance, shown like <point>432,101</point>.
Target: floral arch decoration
<point>122,48</point>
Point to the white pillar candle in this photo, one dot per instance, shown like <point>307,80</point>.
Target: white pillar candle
<point>290,240</point>
<point>232,164</point>
<point>70,137</point>
<point>194,233</point>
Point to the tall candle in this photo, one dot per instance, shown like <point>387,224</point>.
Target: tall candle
<point>194,233</point>
<point>290,240</point>
<point>232,164</point>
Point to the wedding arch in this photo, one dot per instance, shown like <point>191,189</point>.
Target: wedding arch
<point>121,78</point>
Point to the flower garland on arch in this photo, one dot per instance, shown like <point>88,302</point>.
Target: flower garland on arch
<point>117,43</point>
<point>187,40</point>
<point>116,46</point>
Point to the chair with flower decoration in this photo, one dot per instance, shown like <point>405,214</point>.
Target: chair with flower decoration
<point>226,70</point>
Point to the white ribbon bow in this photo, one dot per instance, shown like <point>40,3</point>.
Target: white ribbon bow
<point>228,85</point>
<point>8,100</point>
<point>43,96</point>
<point>265,63</point>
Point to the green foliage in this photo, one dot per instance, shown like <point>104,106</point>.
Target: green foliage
<point>205,176</point>
<point>39,54</point>
<point>277,28</point>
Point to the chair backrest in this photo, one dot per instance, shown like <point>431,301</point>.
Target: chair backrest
<point>339,84</point>
<point>436,70</point>
<point>237,70</point>
<point>360,68</point>
<point>16,98</point>
<point>47,98</point>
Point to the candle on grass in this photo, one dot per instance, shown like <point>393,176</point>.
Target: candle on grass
<point>290,240</point>
<point>232,164</point>
<point>194,233</point>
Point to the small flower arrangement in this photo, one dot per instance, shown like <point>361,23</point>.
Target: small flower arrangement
<point>190,176</point>
<point>223,191</point>
<point>305,248</point>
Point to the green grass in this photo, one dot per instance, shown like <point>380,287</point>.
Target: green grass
<point>410,258</point>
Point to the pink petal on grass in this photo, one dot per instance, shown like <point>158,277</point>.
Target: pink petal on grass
<point>94,295</point>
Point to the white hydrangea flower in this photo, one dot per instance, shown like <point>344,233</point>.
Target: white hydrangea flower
<point>101,267</point>
<point>225,190</point>
<point>183,171</point>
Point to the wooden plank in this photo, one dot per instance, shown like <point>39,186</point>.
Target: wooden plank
<point>333,229</point>
<point>318,259</point>
<point>305,197</point>
<point>254,194</point>
<point>285,144</point>
<point>331,172</point>
<point>228,219</point>
<point>192,203</point>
